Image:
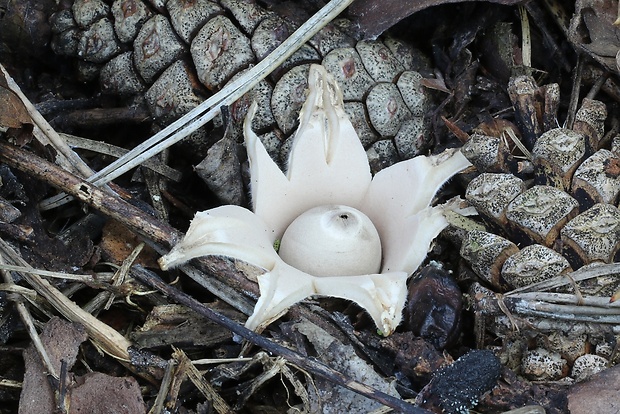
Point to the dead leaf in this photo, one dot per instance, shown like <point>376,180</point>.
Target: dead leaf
<point>496,127</point>
<point>93,393</point>
<point>13,113</point>
<point>592,30</point>
<point>45,251</point>
<point>98,393</point>
<point>178,325</point>
<point>61,340</point>
<point>220,171</point>
<point>600,394</point>
<point>373,17</point>
<point>117,242</point>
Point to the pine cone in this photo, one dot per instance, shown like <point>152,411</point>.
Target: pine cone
<point>175,55</point>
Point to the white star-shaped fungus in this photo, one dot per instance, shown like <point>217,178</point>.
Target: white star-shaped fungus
<point>342,232</point>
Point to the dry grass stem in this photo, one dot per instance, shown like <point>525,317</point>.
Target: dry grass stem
<point>164,388</point>
<point>4,383</point>
<point>122,273</point>
<point>28,321</point>
<point>188,369</point>
<point>117,152</point>
<point>59,275</point>
<point>518,143</point>
<point>582,274</point>
<point>108,339</point>
<point>210,361</point>
<point>526,41</point>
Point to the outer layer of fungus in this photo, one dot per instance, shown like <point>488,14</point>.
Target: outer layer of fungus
<point>342,233</point>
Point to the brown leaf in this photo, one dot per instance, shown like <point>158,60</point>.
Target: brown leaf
<point>376,16</point>
<point>99,393</point>
<point>496,127</point>
<point>117,242</point>
<point>600,394</point>
<point>13,113</point>
<point>92,393</point>
<point>592,30</point>
<point>61,341</point>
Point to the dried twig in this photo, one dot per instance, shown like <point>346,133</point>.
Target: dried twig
<point>574,96</point>
<point>109,204</point>
<point>582,274</point>
<point>10,384</point>
<point>164,387</point>
<point>271,368</point>
<point>105,298</point>
<point>551,310</point>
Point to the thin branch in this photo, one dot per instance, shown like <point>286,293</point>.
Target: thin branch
<point>164,387</point>
<point>107,203</point>
<point>200,382</point>
<point>585,302</point>
<point>582,274</point>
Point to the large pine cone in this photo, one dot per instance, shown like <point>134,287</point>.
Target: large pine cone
<point>176,54</point>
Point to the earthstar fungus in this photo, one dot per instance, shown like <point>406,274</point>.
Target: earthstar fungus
<point>342,233</point>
